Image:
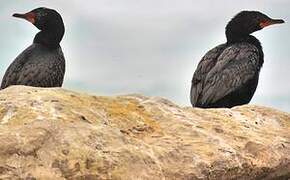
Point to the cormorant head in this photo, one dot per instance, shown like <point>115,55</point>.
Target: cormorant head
<point>247,22</point>
<point>49,22</point>
<point>43,18</point>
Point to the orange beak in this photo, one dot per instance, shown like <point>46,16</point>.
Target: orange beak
<point>271,22</point>
<point>28,16</point>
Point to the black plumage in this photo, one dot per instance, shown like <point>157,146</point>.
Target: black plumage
<point>42,64</point>
<point>228,74</point>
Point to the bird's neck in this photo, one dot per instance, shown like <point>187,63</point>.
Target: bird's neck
<point>49,38</point>
<point>248,39</point>
<point>236,31</point>
<point>235,35</point>
<point>253,40</point>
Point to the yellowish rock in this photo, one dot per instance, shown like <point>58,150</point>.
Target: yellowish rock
<point>60,134</point>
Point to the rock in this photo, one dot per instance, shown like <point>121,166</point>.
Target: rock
<point>59,134</point>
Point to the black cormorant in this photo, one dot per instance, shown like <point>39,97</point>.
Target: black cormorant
<point>228,74</point>
<point>42,64</point>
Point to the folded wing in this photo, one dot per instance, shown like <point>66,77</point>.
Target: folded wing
<point>205,65</point>
<point>237,65</point>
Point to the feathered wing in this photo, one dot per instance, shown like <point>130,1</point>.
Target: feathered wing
<point>205,65</point>
<point>37,70</point>
<point>41,75</point>
<point>237,65</point>
<point>11,75</point>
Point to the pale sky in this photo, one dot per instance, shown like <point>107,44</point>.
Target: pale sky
<point>150,47</point>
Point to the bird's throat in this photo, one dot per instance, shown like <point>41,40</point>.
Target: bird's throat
<point>50,38</point>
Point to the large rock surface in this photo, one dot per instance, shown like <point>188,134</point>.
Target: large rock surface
<point>59,134</point>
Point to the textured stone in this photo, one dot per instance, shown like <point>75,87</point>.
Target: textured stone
<point>59,134</point>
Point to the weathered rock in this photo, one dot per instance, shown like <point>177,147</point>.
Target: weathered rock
<point>59,134</point>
